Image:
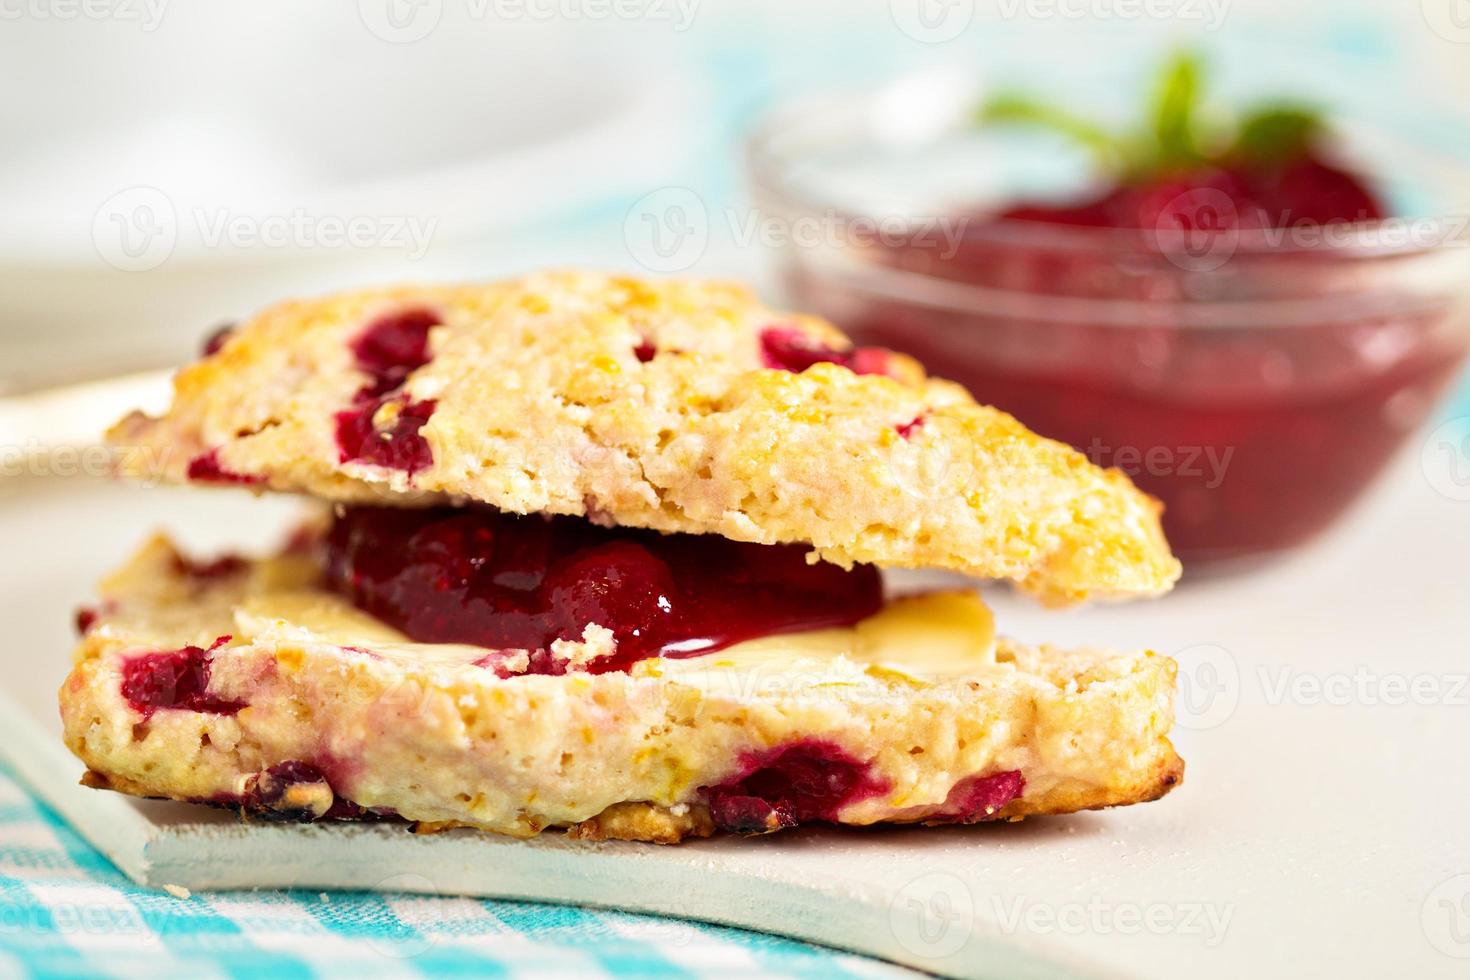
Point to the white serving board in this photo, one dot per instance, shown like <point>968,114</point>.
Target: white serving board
<point>1310,838</point>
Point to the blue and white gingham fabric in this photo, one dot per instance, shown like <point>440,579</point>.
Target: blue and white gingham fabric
<point>66,912</point>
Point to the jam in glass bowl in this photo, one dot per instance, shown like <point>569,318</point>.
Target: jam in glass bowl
<point>1254,371</point>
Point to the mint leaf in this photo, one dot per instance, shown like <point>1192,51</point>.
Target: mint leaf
<point>1175,105</point>
<point>1273,135</point>
<point>1019,110</point>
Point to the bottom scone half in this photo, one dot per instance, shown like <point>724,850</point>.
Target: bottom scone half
<point>256,685</point>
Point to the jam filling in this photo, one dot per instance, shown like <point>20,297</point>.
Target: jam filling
<point>477,576</point>
<point>978,798</point>
<point>390,349</point>
<point>174,679</point>
<point>788,349</point>
<point>907,429</point>
<point>800,782</point>
<point>217,339</point>
<point>206,468</point>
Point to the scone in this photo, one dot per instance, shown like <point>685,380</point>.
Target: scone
<point>603,554</point>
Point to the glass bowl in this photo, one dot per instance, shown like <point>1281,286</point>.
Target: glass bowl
<point>1256,382</point>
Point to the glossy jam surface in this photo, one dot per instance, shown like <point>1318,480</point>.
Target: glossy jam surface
<point>174,679</point>
<point>979,798</point>
<point>1308,190</point>
<point>383,424</point>
<point>474,575</point>
<point>788,349</point>
<point>1256,435</point>
<point>800,782</point>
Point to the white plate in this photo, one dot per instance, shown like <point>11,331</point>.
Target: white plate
<point>1319,832</point>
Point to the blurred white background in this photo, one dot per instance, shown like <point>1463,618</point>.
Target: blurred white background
<point>172,165</point>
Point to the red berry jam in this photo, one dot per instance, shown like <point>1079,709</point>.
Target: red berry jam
<point>788,349</point>
<point>800,782</point>
<point>397,446</point>
<point>217,339</point>
<point>206,468</point>
<point>979,798</point>
<point>86,618</point>
<point>475,575</point>
<point>1216,199</point>
<point>1257,390</point>
<point>175,679</point>
<point>907,429</point>
<point>390,349</point>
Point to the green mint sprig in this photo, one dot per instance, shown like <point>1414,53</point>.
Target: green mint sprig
<point>1179,132</point>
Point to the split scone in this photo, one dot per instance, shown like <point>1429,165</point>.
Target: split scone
<point>604,554</point>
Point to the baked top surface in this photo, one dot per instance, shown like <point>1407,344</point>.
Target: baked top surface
<point>676,405</point>
<point>286,719</point>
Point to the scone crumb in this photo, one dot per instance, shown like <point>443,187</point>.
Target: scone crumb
<point>645,822</point>
<point>597,642</point>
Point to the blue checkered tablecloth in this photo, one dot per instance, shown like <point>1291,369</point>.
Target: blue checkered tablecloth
<point>66,912</point>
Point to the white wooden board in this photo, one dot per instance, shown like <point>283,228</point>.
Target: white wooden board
<point>1320,830</point>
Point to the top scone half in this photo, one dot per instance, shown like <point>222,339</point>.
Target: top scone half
<point>677,406</point>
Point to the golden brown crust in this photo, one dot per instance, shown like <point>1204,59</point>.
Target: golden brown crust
<point>543,403</point>
<point>652,823</point>
<point>647,822</point>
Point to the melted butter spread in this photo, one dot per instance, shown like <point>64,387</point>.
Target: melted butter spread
<point>933,636</point>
